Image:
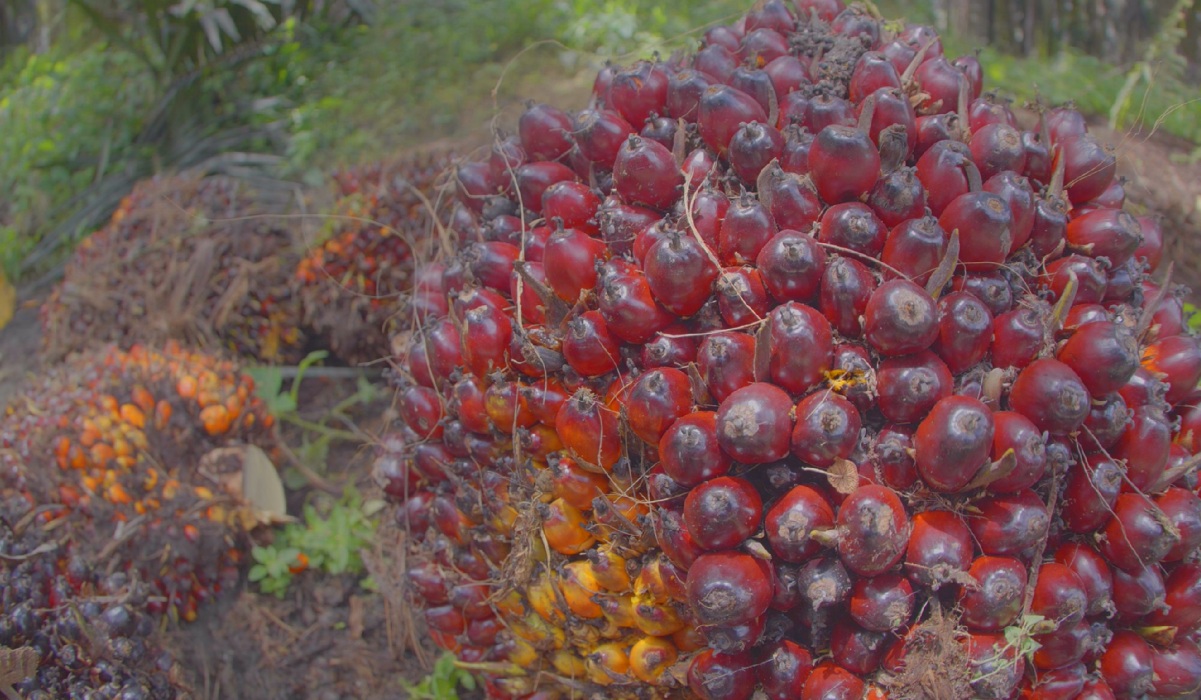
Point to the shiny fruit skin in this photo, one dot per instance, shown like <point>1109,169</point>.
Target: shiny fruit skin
<point>754,424</point>
<point>726,588</point>
<point>791,520</point>
<point>953,442</point>
<point>873,530</point>
<point>722,512</point>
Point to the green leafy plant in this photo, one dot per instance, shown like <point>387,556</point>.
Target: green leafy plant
<point>443,683</point>
<point>317,435</point>
<point>329,539</point>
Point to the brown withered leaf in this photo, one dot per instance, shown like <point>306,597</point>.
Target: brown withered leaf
<point>843,476</point>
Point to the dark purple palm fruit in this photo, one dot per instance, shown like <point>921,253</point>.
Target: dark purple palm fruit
<point>946,171</point>
<point>746,228</point>
<point>639,92</point>
<point>1088,167</point>
<point>935,128</point>
<point>684,90</point>
<point>915,247</point>
<point>773,14</point>
<point>620,223</point>
<point>794,107</point>
<point>788,74</point>
<point>762,46</point>
<point>855,21</point>
<point>996,148</point>
<point>970,66</point>
<point>853,226</point>
<point>921,36</point>
<point>898,195</point>
<point>824,10</point>
<point>892,108</point>
<point>680,273</point>
<point>872,72</point>
<point>600,134</point>
<point>844,163</point>
<point>722,111</point>
<point>757,84</point>
<point>792,265</point>
<point>794,157</point>
<point>1039,165</point>
<point>660,129</point>
<point>941,82</point>
<point>985,227</point>
<point>545,132</point>
<point>1063,123</point>
<point>723,35</point>
<point>791,199</point>
<point>989,109</point>
<point>1050,223</point>
<point>716,61</point>
<point>825,110</point>
<point>753,147</point>
<point>900,54</point>
<point>645,173</point>
<point>1016,191</point>
<point>507,155</point>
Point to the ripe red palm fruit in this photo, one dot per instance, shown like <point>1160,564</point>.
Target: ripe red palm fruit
<point>953,442</point>
<point>754,423</point>
<point>900,318</point>
<point>645,173</point>
<point>844,163</point>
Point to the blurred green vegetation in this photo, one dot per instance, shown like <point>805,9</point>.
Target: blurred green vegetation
<point>113,99</point>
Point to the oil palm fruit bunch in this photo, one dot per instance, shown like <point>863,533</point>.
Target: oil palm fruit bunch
<point>381,223</point>
<point>69,629</point>
<point>807,372</point>
<point>117,455</point>
<point>196,259</point>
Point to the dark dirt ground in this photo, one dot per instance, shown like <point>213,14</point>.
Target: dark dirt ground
<point>330,639</point>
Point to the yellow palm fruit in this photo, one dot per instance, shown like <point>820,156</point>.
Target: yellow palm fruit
<point>650,657</point>
<point>544,600</point>
<point>608,663</point>
<point>522,653</point>
<point>568,663</point>
<point>609,567</point>
<point>618,610</point>
<point>563,527</point>
<point>578,585</point>
<point>655,618</point>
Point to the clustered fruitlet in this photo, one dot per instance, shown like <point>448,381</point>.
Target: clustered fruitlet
<point>381,224</point>
<point>116,508</point>
<point>185,258</point>
<point>797,367</point>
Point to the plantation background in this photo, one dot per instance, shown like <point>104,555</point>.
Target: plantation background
<point>96,94</point>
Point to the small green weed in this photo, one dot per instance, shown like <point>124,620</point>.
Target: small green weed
<point>316,435</point>
<point>443,682</point>
<point>329,540</point>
